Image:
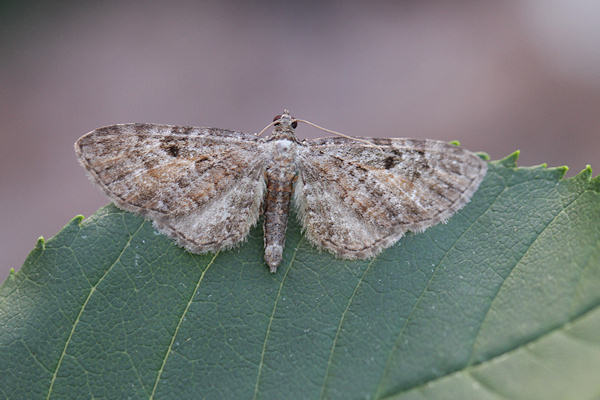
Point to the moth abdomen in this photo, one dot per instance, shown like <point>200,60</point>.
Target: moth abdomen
<point>280,176</point>
<point>277,208</point>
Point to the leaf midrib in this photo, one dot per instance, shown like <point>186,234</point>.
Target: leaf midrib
<point>415,306</point>
<point>472,367</point>
<point>533,242</point>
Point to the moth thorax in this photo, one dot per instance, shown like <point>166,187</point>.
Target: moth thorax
<point>283,134</point>
<point>284,145</point>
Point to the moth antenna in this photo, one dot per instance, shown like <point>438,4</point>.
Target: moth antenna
<point>336,133</point>
<point>267,127</point>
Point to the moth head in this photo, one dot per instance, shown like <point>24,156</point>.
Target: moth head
<point>285,121</point>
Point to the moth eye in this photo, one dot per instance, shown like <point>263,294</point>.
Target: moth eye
<point>294,124</point>
<point>277,117</point>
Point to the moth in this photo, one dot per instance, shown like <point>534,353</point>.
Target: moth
<point>206,187</point>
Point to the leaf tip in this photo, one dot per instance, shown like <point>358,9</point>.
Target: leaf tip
<point>483,155</point>
<point>454,143</point>
<point>76,220</point>
<point>561,170</point>
<point>586,177</point>
<point>585,174</point>
<point>41,243</point>
<point>510,161</point>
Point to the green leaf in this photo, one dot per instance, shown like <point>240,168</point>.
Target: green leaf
<point>500,303</point>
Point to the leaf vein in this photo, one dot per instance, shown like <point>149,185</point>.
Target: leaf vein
<point>135,369</point>
<point>35,357</point>
<point>183,314</point>
<point>83,306</point>
<point>268,332</point>
<point>340,324</point>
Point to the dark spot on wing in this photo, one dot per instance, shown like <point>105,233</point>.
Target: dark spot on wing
<point>183,182</point>
<point>389,162</point>
<point>173,150</point>
<point>150,163</point>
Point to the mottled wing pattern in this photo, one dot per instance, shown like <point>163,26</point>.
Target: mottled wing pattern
<point>355,200</point>
<point>187,180</point>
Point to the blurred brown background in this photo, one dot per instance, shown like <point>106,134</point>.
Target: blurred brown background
<point>498,76</point>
